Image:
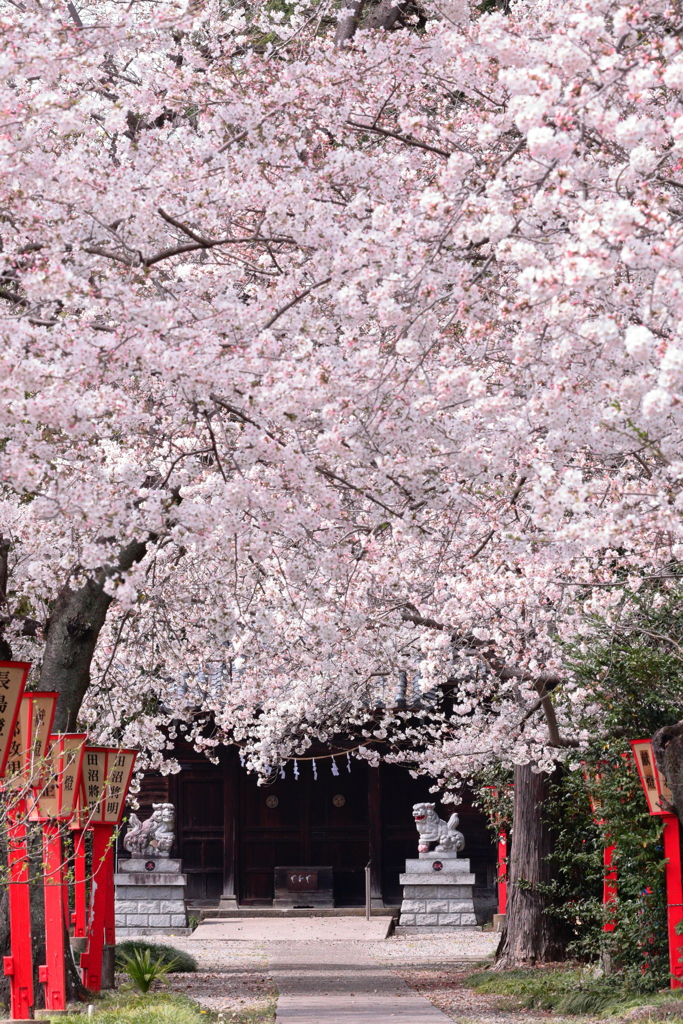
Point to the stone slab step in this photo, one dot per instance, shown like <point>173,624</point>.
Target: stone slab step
<point>436,878</point>
<point>163,864</point>
<point>144,932</point>
<point>209,913</point>
<point>426,867</point>
<point>414,930</point>
<point>150,878</point>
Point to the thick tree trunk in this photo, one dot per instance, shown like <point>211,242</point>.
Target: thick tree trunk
<point>348,23</point>
<point>72,634</point>
<point>71,637</point>
<point>530,936</point>
<point>667,744</point>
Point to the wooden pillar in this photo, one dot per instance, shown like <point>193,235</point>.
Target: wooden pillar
<point>375,835</point>
<point>230,824</point>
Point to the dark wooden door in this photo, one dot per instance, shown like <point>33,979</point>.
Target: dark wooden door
<point>200,829</point>
<point>302,822</point>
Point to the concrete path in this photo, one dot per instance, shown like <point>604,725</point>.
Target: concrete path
<point>293,929</point>
<point>339,983</point>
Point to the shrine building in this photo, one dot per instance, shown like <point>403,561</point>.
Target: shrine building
<point>232,834</point>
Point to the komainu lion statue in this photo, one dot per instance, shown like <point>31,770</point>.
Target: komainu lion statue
<point>434,829</point>
<point>154,837</point>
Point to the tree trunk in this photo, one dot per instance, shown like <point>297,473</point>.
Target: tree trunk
<point>348,23</point>
<point>667,744</point>
<point>531,935</point>
<point>72,634</point>
<point>71,637</point>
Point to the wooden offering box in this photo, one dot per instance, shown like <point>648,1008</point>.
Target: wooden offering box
<point>303,887</point>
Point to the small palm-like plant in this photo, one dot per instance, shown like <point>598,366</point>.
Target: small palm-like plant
<point>142,970</point>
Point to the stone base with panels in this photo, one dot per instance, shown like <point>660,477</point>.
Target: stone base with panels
<point>150,897</point>
<point>437,894</point>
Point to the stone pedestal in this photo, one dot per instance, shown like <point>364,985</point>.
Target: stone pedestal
<point>437,894</point>
<point>150,897</point>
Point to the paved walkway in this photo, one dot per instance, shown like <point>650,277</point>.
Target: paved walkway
<point>339,983</point>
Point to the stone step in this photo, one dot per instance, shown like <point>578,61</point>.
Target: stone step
<point>147,892</point>
<point>437,878</point>
<point>124,932</point>
<point>209,913</point>
<point>162,864</point>
<point>152,879</point>
<point>406,930</point>
<point>426,867</point>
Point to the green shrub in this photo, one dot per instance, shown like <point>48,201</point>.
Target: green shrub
<point>142,970</point>
<point>184,963</point>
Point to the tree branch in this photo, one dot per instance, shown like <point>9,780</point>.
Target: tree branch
<point>400,138</point>
<point>541,681</point>
<point>297,298</point>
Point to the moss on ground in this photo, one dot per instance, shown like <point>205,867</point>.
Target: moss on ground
<point>578,992</point>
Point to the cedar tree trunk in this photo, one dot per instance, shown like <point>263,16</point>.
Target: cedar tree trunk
<point>531,936</point>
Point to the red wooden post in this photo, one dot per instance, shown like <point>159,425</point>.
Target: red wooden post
<point>19,966</point>
<point>101,916</point>
<point>609,885</point>
<point>52,972</point>
<point>659,802</point>
<point>79,917</point>
<point>104,785</point>
<point>674,897</point>
<point>502,872</point>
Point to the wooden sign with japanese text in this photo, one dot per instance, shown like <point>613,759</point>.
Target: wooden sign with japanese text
<point>31,733</point>
<point>657,793</point>
<point>105,779</point>
<point>57,795</point>
<point>13,676</point>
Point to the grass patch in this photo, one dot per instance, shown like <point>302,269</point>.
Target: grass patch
<point>185,962</point>
<point>575,991</point>
<point>125,1007</point>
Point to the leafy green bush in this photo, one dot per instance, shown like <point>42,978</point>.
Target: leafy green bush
<point>142,970</point>
<point>184,963</point>
<point>632,670</point>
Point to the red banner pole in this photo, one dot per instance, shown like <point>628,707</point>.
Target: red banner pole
<point>80,915</point>
<point>609,885</point>
<point>674,894</point>
<point>52,972</point>
<point>502,872</point>
<point>19,966</point>
<point>101,918</point>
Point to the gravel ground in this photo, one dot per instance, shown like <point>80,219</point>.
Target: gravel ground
<point>232,976</point>
<point>437,968</point>
<point>444,984</point>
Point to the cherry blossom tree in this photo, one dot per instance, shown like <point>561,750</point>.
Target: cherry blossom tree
<point>324,363</point>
